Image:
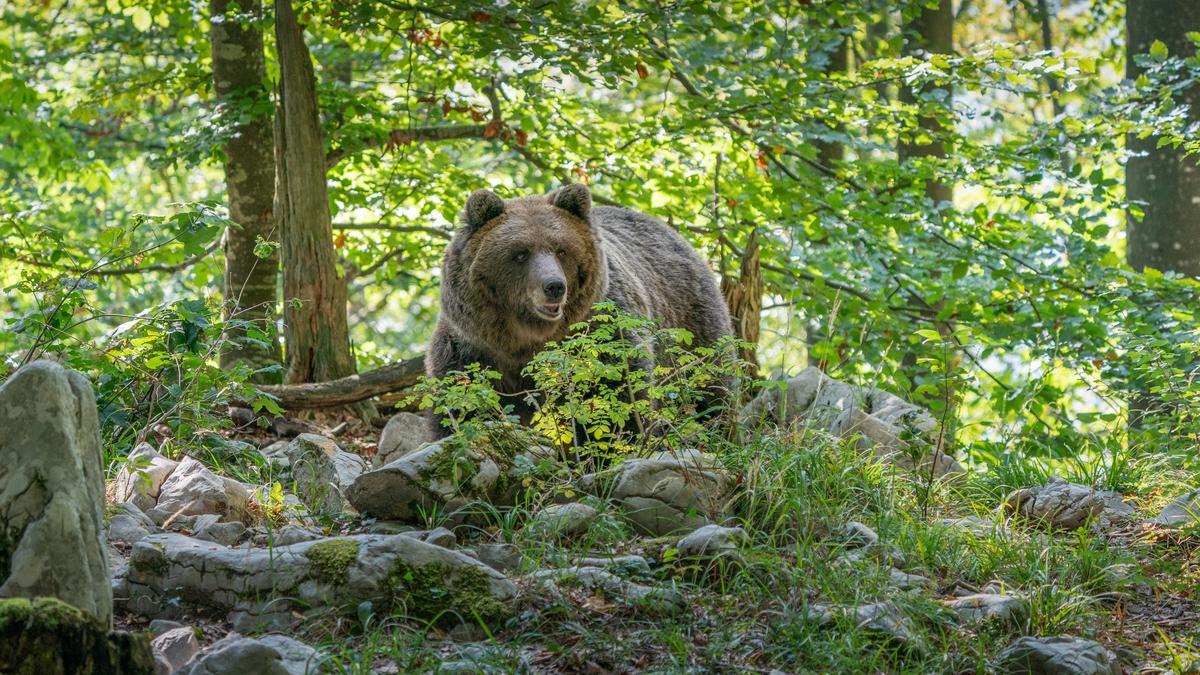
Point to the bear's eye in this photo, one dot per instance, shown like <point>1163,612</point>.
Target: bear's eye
<point>521,256</point>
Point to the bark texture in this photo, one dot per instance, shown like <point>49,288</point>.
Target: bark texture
<point>931,31</point>
<point>239,76</point>
<point>1166,183</point>
<point>315,328</point>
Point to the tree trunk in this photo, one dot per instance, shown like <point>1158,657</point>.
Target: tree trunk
<point>931,31</point>
<point>314,292</point>
<point>239,73</point>
<point>1164,183</point>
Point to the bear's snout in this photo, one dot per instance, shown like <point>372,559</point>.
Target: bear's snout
<point>554,289</point>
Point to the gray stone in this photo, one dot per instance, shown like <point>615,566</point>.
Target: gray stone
<point>160,626</point>
<point>52,490</point>
<point>1183,511</point>
<point>621,564</point>
<point>225,534</point>
<point>127,529</point>
<point>234,654</point>
<point>322,472</point>
<point>561,521</point>
<point>169,569</point>
<point>856,534</point>
<point>500,557</point>
<point>1062,655</point>
<point>439,536</point>
<point>405,433</point>
<point>977,526</point>
<point>884,618</point>
<point>413,484</point>
<point>987,607</point>
<point>1068,505</point>
<point>294,534</point>
<point>141,477</point>
<point>654,600</point>
<point>904,581</point>
<point>878,419</point>
<point>276,453</point>
<point>176,646</point>
<point>668,493</point>
<point>712,541</point>
<point>192,489</point>
<point>389,527</point>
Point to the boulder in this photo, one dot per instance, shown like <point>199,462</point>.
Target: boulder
<point>404,433</point>
<point>500,557</point>
<point>192,490</point>
<point>52,491</point>
<point>878,419</point>
<point>1062,655</point>
<point>561,521</point>
<point>988,607</point>
<point>884,618</point>
<point>712,541</point>
<point>434,476</point>
<point>322,472</point>
<point>46,636</point>
<point>428,580</point>
<point>1068,505</point>
<point>176,647</point>
<point>141,477</point>
<point>669,493</point>
<point>267,655</point>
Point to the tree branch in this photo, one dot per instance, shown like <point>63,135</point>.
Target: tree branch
<point>349,389</point>
<point>119,271</point>
<point>409,229</point>
<point>408,136</point>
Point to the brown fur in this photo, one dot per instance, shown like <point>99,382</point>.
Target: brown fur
<point>635,261</point>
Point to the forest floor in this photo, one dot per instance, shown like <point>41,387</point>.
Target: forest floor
<point>790,597</point>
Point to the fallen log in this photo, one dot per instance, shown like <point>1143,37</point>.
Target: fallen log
<point>349,389</point>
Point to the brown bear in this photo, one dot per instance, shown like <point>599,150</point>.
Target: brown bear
<point>521,271</point>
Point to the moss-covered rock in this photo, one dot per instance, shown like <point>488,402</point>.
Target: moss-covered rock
<point>445,593</point>
<point>46,636</point>
<point>331,559</point>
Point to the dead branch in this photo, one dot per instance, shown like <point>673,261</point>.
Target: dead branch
<point>349,389</point>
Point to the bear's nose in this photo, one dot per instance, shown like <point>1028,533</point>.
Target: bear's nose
<point>554,289</point>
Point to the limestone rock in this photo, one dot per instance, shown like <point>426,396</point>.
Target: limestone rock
<point>672,493</point>
<point>192,489</point>
<point>975,525</point>
<point>623,565</point>
<point>649,598</point>
<point>46,636</point>
<point>712,541</point>
<point>1068,505</point>
<point>857,535</point>
<point>405,433</point>
<point>904,581</point>
<point>879,617</point>
<point>986,607</point>
<point>225,534</point>
<point>176,646</point>
<point>1183,511</point>
<point>141,477</point>
<point>434,476</point>
<point>1062,655</point>
<point>127,529</point>
<point>167,569</point>
<point>500,557</point>
<point>561,521</point>
<point>52,491</point>
<point>322,472</point>
<point>877,418</point>
<point>268,655</point>
<point>294,534</point>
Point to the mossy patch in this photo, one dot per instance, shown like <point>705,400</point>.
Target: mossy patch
<point>46,636</point>
<point>41,613</point>
<point>445,593</point>
<point>331,560</point>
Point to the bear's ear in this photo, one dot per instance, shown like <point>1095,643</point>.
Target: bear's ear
<point>575,199</point>
<point>482,206</point>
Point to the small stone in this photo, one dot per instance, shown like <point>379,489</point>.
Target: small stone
<point>712,541</point>
<point>500,557</point>
<point>404,433</point>
<point>975,525</point>
<point>294,534</point>
<point>225,534</point>
<point>389,527</point>
<point>986,607</point>
<point>176,646</point>
<point>1183,511</point>
<point>276,453</point>
<point>439,536</point>
<point>416,484</point>
<point>142,476</point>
<point>670,493</point>
<point>322,472</point>
<point>126,529</point>
<point>886,618</point>
<point>857,535</point>
<point>904,581</point>
<point>621,564</point>
<point>1061,655</point>
<point>561,521</point>
<point>652,599</point>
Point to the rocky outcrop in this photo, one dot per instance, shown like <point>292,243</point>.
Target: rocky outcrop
<point>167,569</point>
<point>561,521</point>
<point>878,419</point>
<point>52,491</point>
<point>193,490</point>
<point>141,477</point>
<point>267,655</point>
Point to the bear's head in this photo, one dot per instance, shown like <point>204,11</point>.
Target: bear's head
<point>522,270</point>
